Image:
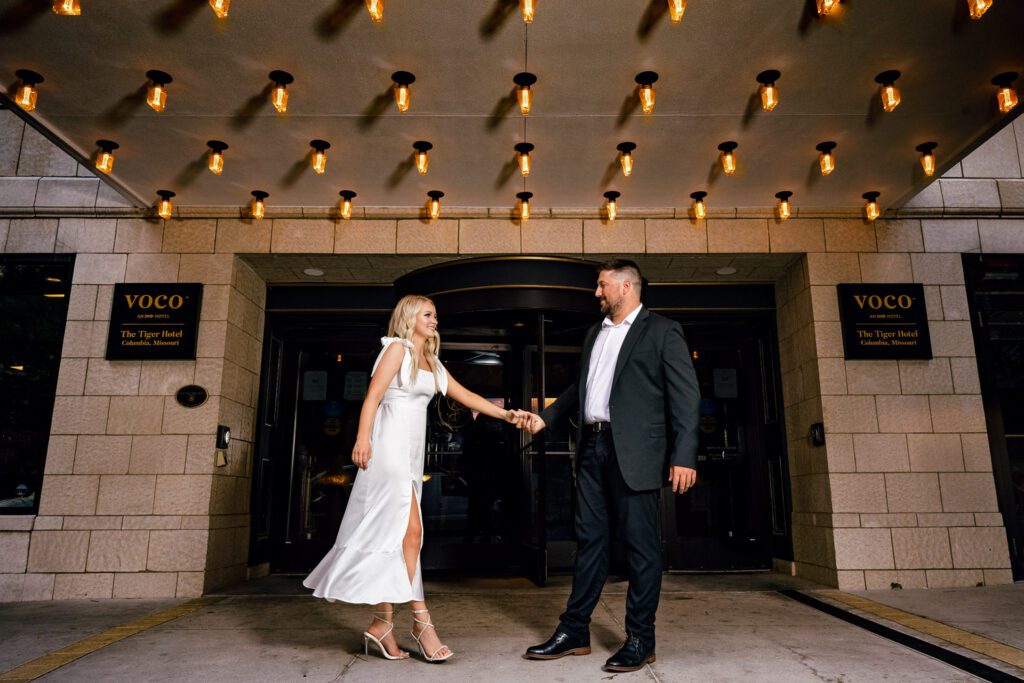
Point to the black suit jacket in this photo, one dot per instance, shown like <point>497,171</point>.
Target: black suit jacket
<point>653,401</point>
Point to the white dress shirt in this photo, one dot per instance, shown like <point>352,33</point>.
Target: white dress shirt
<point>602,367</point>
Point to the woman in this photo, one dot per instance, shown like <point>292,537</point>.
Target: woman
<point>376,557</point>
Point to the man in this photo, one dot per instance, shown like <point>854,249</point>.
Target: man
<point>637,394</point>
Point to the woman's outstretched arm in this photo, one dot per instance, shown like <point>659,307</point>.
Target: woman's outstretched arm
<point>459,393</point>
<point>389,366</point>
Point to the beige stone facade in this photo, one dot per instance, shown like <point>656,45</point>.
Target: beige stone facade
<point>133,505</point>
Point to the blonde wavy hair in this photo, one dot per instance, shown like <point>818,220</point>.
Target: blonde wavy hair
<point>403,322</point>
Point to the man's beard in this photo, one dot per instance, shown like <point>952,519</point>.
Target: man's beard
<point>606,306</point>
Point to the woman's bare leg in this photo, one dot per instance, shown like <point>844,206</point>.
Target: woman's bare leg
<point>411,550</point>
<point>384,613</point>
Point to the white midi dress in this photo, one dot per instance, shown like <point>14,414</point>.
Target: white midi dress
<point>366,564</point>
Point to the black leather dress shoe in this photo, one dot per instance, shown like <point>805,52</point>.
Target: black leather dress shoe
<point>633,655</point>
<point>559,645</point>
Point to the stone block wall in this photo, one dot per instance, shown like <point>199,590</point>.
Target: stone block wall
<point>132,505</point>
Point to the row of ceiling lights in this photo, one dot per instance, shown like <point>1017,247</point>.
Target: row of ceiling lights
<point>676,8</point>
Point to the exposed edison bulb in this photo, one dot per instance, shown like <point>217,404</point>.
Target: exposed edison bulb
<point>220,8</point>
<point>26,96</point>
<point>216,164</point>
<point>675,10</point>
<point>611,204</point>
<point>871,210</point>
<point>783,209</point>
<point>927,150</point>
<point>259,204</point>
<point>346,203</point>
<point>890,96</point>
<point>525,97</point>
<point>977,8</point>
<point>626,157</point>
<point>528,7</point>
<point>68,8</point>
<point>105,162</point>
<point>524,205</point>
<point>826,6</point>
<point>279,97</point>
<point>523,150</point>
<point>403,97</point>
<point>105,159</point>
<point>647,97</point>
<point>376,10</point>
<point>728,162</point>
<point>1007,98</point>
<point>826,157</point>
<point>420,153</point>
<point>156,98</point>
<point>165,209</point>
<point>700,209</point>
<point>769,96</point>
<point>435,203</point>
<point>318,158</point>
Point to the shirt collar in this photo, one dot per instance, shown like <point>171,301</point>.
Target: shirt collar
<point>628,320</point>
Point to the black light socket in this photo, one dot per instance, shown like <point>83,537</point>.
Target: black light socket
<point>29,77</point>
<point>422,146</point>
<point>927,147</point>
<point>347,194</point>
<point>612,195</point>
<point>826,147</point>
<point>626,147</point>
<point>165,194</point>
<point>784,195</point>
<point>769,76</point>
<point>698,196</point>
<point>320,145</point>
<point>159,77</point>
<point>524,196</point>
<point>403,78</point>
<point>107,145</point>
<point>223,437</point>
<point>871,196</point>
<point>260,194</point>
<point>728,146</point>
<point>435,194</point>
<point>646,78</point>
<point>216,145</point>
<point>523,147</point>
<point>1005,79</point>
<point>887,77</point>
<point>281,77</point>
<point>524,79</point>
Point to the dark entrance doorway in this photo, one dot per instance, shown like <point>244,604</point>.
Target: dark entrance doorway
<point>494,499</point>
<point>995,289</point>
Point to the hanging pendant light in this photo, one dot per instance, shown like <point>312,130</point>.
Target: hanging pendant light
<point>783,209</point>
<point>871,210</point>
<point>164,208</point>
<point>67,8</point>
<point>645,91</point>
<point>421,147</point>
<point>888,91</point>
<point>105,158</point>
<point>826,157</point>
<point>927,150</point>
<point>977,8</point>
<point>524,95</point>
<point>626,157</point>
<point>728,156</point>
<point>524,205</point>
<point>318,155</point>
<point>259,204</point>
<point>523,150</point>
<point>1006,95</point>
<point>376,10</point>
<point>675,10</point>
<point>215,160</point>
<point>156,94</point>
<point>700,209</point>
<point>435,203</point>
<point>611,204</point>
<point>403,92</point>
<point>769,91</point>
<point>279,93</point>
<point>27,94</point>
<point>345,207</point>
<point>221,8</point>
<point>528,8</point>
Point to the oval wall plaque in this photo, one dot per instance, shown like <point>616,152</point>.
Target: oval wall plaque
<point>191,396</point>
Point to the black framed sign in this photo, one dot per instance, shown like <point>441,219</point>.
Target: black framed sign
<point>151,321</point>
<point>884,321</point>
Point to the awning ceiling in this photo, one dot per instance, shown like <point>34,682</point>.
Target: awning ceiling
<point>464,54</point>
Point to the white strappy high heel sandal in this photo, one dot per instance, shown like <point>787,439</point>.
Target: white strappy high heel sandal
<point>379,641</point>
<point>434,657</point>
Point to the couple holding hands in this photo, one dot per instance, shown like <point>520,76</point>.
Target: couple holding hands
<point>637,396</point>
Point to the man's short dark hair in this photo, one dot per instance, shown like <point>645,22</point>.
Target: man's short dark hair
<point>626,267</point>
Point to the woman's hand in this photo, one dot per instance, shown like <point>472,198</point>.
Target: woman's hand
<point>361,453</point>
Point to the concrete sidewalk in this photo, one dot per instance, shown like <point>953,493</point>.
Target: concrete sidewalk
<point>710,628</point>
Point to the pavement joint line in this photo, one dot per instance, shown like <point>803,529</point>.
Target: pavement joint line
<point>951,634</point>
<point>40,666</point>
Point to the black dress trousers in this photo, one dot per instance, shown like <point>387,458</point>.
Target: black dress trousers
<point>604,498</point>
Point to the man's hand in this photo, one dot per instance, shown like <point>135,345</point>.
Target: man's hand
<point>528,421</point>
<point>683,478</point>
